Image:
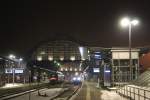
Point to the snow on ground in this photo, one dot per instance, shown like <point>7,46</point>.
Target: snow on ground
<point>111,95</point>
<point>137,92</point>
<point>34,95</point>
<point>11,85</point>
<point>142,87</point>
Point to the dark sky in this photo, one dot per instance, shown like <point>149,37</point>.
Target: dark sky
<point>24,23</point>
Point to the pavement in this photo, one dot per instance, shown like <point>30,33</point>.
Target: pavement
<point>89,91</point>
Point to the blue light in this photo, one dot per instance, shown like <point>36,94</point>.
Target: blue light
<point>97,55</point>
<point>107,71</point>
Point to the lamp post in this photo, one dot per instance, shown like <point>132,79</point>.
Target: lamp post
<point>127,22</point>
<point>13,70</point>
<point>20,60</point>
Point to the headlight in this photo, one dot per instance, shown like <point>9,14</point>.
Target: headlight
<point>74,78</point>
<point>78,78</point>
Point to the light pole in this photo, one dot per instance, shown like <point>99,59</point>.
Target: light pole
<point>127,22</point>
<point>20,60</point>
<point>12,57</point>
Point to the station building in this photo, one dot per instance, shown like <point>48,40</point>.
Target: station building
<point>111,65</point>
<point>121,71</point>
<point>62,55</point>
<point>10,69</point>
<point>69,57</point>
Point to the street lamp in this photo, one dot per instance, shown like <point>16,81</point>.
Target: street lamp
<point>127,22</point>
<point>12,57</point>
<point>20,60</point>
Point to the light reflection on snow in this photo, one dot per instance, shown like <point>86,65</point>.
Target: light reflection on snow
<point>11,85</point>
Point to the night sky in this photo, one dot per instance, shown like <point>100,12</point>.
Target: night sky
<point>24,23</point>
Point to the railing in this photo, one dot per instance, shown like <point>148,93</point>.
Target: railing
<point>134,93</point>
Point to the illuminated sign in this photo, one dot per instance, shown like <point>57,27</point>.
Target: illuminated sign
<point>18,71</point>
<point>10,71</point>
<point>96,70</point>
<point>107,71</point>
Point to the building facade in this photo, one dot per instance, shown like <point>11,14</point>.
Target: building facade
<point>145,61</point>
<point>11,71</point>
<point>57,50</point>
<point>67,56</point>
<point>5,70</point>
<point>121,71</point>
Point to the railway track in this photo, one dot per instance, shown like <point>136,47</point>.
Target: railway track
<point>13,92</point>
<point>68,93</point>
<point>67,90</point>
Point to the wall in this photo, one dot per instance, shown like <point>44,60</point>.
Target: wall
<point>145,61</point>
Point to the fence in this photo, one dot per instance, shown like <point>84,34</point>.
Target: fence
<point>134,93</point>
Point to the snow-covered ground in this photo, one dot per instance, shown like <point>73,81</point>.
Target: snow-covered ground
<point>50,93</point>
<point>136,92</point>
<point>12,85</point>
<point>111,95</point>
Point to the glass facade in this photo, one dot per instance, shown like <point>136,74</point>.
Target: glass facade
<point>57,50</point>
<point>5,77</point>
<point>66,54</point>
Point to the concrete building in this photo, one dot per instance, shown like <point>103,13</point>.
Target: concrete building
<point>121,71</point>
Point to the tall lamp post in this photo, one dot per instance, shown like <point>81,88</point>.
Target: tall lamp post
<point>127,22</point>
<point>13,71</point>
<point>20,60</point>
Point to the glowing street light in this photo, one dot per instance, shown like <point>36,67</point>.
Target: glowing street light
<point>20,59</point>
<point>11,56</point>
<point>127,22</point>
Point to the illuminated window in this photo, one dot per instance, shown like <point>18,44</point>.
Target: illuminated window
<point>50,58</point>
<point>76,73</point>
<point>61,69</point>
<point>66,69</point>
<point>42,53</point>
<point>39,58</point>
<point>72,58</point>
<point>80,69</point>
<point>75,69</point>
<point>70,69</point>
<point>83,59</point>
<point>61,58</point>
